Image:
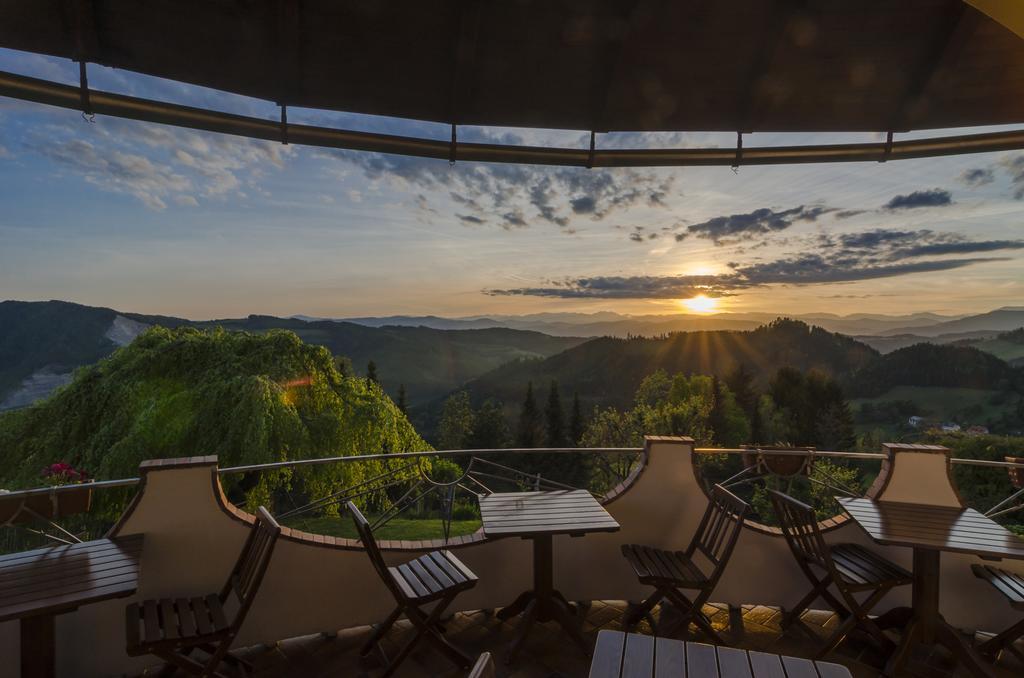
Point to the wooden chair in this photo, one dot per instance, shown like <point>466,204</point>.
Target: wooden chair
<point>851,568</point>
<point>669,571</point>
<point>1011,585</point>
<point>437,577</point>
<point>173,628</point>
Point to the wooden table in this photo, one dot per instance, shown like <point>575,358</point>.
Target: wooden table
<point>930,530</point>
<point>539,516</point>
<point>631,655</point>
<point>36,586</point>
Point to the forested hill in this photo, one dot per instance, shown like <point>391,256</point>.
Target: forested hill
<point>248,398</point>
<point>607,371</point>
<point>55,337</point>
<point>937,366</point>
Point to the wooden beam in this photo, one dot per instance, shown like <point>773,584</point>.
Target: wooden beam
<point>1009,13</point>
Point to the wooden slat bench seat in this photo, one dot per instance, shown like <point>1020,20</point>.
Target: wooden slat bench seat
<point>1011,585</point>
<point>631,655</point>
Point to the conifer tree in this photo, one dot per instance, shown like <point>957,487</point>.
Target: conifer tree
<point>555,419</point>
<point>576,423</point>
<point>371,372</point>
<point>531,430</point>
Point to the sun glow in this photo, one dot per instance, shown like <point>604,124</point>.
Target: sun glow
<point>700,304</point>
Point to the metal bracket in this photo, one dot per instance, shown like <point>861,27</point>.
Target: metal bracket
<point>739,151</point>
<point>888,147</point>
<point>83,92</point>
<point>284,124</point>
<point>590,156</point>
<point>454,145</point>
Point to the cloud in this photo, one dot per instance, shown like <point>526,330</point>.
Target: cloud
<point>157,164</point>
<point>514,195</point>
<point>935,197</point>
<point>846,214</point>
<point>750,224</point>
<point>1014,165</point>
<point>119,172</point>
<point>4,153</point>
<point>631,287</point>
<point>470,219</point>
<point>849,257</point>
<point>979,176</point>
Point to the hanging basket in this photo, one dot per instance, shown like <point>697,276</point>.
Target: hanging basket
<point>785,465</point>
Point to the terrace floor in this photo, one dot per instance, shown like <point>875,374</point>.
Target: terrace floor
<point>548,654</point>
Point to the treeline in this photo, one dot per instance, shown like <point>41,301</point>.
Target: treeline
<point>936,365</point>
<point>795,408</point>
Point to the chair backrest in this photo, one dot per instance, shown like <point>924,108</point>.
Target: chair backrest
<point>719,529</point>
<point>369,543</point>
<point>800,527</point>
<point>247,575</point>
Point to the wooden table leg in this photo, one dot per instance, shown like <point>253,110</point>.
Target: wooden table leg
<point>928,628</point>
<point>544,602</point>
<point>37,647</point>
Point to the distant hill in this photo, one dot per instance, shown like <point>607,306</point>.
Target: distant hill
<point>248,398</point>
<point>42,342</point>
<point>606,323</point>
<point>50,339</point>
<point>1000,320</point>
<point>606,371</point>
<point>929,364</point>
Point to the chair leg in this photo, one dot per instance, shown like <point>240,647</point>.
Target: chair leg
<point>994,645</point>
<point>188,664</point>
<point>633,616</point>
<point>819,587</point>
<point>428,625</point>
<point>694,611</point>
<point>858,619</point>
<point>381,631</point>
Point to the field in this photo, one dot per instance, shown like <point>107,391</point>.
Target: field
<point>963,405</point>
<point>1004,350</point>
<point>399,528</point>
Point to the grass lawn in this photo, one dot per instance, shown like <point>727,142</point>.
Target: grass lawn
<point>398,528</point>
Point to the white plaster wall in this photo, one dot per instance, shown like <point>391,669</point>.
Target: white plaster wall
<point>191,544</point>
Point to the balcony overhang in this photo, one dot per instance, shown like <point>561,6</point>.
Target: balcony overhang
<point>642,66</point>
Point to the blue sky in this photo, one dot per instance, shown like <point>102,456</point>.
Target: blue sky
<point>157,219</point>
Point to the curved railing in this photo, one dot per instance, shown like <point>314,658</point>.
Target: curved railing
<point>411,499</point>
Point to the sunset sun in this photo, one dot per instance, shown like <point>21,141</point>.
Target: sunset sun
<point>700,304</point>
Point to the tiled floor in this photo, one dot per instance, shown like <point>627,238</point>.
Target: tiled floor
<point>549,654</point>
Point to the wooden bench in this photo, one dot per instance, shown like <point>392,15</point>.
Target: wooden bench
<point>1011,585</point>
<point>631,655</point>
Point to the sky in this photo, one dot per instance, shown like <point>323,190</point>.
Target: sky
<point>157,219</point>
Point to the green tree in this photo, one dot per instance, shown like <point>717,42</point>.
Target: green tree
<point>530,432</point>
<point>456,422</point>
<point>401,399</point>
<point>490,430</point>
<point>576,423</point>
<point>344,365</point>
<point>554,418</point>
<point>371,372</point>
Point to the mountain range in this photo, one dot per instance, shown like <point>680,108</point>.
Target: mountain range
<point>611,324</point>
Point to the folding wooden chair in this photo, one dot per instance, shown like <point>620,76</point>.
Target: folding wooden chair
<point>173,628</point>
<point>1011,585</point>
<point>437,577</point>
<point>851,568</point>
<point>669,571</point>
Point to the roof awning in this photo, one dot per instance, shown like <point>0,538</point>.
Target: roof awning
<point>614,65</point>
